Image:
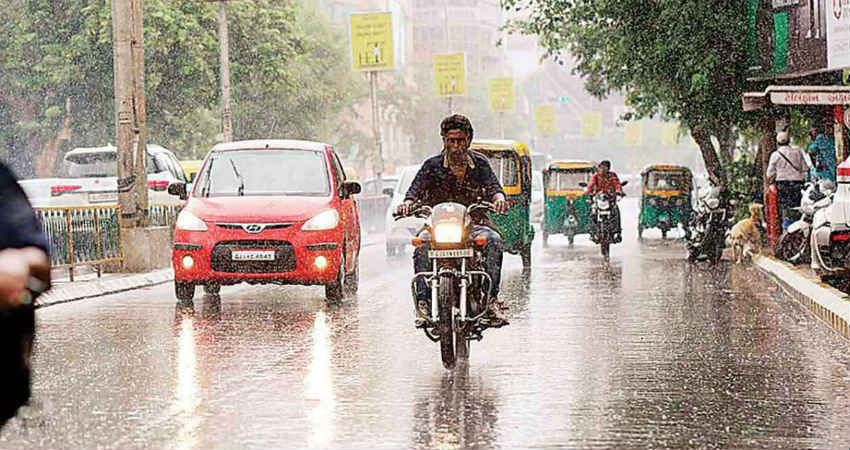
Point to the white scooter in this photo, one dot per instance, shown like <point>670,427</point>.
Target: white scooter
<point>794,244</point>
<point>830,242</point>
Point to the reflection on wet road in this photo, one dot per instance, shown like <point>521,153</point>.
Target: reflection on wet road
<point>648,351</point>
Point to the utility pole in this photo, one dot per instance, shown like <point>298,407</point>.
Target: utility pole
<point>129,69</point>
<point>446,40</point>
<point>376,126</point>
<point>224,61</point>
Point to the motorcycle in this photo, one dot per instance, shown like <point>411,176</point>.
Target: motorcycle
<point>793,245</point>
<point>708,227</point>
<point>830,246</point>
<point>604,215</point>
<point>460,289</point>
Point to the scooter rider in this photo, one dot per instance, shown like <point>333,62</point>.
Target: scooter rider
<point>604,181</point>
<point>462,176</point>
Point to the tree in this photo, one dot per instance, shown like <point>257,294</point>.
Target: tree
<point>682,59</point>
<point>289,75</point>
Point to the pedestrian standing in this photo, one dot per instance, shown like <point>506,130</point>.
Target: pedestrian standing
<point>822,150</point>
<point>24,273</point>
<point>787,168</point>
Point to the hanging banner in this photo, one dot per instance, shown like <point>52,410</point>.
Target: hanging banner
<point>501,94</point>
<point>633,134</point>
<point>670,134</point>
<point>544,120</point>
<point>591,125</point>
<point>371,37</point>
<point>449,74</point>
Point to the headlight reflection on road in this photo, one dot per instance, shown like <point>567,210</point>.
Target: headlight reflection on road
<point>187,394</point>
<point>320,386</point>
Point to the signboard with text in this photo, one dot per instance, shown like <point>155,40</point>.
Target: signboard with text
<point>449,74</point>
<point>371,36</point>
<point>837,33</point>
<point>544,120</point>
<point>810,98</point>
<point>591,125</point>
<point>501,94</point>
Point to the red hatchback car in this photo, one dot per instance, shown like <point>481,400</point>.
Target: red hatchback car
<point>268,211</point>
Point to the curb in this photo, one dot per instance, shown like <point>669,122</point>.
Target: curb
<point>827,303</point>
<point>88,289</point>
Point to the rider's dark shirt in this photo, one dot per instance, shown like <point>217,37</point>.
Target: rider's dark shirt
<point>19,226</point>
<point>435,183</point>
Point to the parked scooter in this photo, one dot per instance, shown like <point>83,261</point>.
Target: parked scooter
<point>794,244</point>
<point>830,246</point>
<point>708,227</point>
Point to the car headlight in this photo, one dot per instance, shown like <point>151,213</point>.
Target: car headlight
<point>189,222</point>
<point>325,220</point>
<point>448,233</point>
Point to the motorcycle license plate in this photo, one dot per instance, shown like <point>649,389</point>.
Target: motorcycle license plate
<point>460,253</point>
<point>252,255</point>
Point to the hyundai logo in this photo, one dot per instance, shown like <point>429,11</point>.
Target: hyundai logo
<point>253,228</point>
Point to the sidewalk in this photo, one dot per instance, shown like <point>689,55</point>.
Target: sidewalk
<point>89,285</point>
<point>827,303</point>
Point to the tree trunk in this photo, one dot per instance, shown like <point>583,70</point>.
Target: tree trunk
<point>709,156</point>
<point>45,162</point>
<point>728,138</point>
<point>767,145</point>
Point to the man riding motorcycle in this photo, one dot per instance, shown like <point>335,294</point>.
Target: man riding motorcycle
<point>604,181</point>
<point>462,176</point>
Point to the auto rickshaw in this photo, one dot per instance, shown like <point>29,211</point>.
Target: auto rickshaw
<point>665,199</point>
<point>566,209</point>
<point>511,162</point>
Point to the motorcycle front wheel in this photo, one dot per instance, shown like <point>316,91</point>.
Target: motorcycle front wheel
<point>792,247</point>
<point>447,292</point>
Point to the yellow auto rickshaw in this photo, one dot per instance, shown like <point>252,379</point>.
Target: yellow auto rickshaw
<point>511,162</point>
<point>665,199</point>
<point>566,210</point>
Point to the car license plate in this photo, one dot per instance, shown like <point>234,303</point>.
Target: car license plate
<point>252,255</point>
<point>460,253</point>
<point>103,197</point>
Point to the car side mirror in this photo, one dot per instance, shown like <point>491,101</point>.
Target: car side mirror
<point>582,184</point>
<point>178,189</point>
<point>350,188</point>
<point>388,191</point>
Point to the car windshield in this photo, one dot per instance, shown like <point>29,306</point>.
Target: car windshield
<point>667,181</point>
<point>561,180</point>
<point>264,172</point>
<point>505,167</point>
<point>96,165</point>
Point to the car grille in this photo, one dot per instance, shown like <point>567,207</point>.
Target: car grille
<point>284,257</point>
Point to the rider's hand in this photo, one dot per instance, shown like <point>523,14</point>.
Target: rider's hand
<point>16,268</point>
<point>500,204</point>
<point>403,208</point>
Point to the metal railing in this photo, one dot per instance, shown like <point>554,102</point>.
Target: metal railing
<point>91,235</point>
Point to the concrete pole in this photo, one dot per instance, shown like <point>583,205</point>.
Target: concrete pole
<point>376,127</point>
<point>224,61</point>
<point>128,62</point>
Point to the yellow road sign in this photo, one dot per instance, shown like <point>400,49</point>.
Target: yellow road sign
<point>670,134</point>
<point>449,74</point>
<point>501,94</point>
<point>544,120</point>
<point>591,125</point>
<point>633,134</point>
<point>371,36</point>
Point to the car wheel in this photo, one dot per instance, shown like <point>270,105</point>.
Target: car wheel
<point>212,288</point>
<point>184,291</point>
<point>335,291</point>
<point>352,280</point>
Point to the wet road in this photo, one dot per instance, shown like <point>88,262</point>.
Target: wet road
<point>649,352</point>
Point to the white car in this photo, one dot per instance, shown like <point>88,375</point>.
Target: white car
<point>89,176</point>
<point>399,232</point>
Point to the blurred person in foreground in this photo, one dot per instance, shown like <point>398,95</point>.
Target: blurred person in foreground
<point>24,274</point>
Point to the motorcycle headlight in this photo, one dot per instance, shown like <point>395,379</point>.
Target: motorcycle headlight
<point>680,202</point>
<point>653,201</point>
<point>448,233</point>
<point>325,220</point>
<point>189,222</point>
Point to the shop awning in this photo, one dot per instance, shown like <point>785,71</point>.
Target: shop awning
<point>797,95</point>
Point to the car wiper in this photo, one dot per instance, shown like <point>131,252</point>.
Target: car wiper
<point>241,191</point>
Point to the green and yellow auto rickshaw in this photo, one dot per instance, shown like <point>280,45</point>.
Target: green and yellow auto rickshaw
<point>665,198</point>
<point>566,210</point>
<point>512,164</point>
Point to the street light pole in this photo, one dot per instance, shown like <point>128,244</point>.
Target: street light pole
<point>224,62</point>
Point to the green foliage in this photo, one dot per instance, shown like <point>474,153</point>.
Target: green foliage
<point>289,73</point>
<point>683,59</point>
<point>744,184</point>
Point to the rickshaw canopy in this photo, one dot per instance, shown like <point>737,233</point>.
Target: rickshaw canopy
<point>560,186</point>
<point>677,181</point>
<point>514,172</point>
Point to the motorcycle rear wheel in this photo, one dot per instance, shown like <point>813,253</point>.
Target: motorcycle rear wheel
<point>447,293</point>
<point>792,247</point>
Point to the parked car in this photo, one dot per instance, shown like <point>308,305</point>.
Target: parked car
<point>89,176</point>
<point>373,200</point>
<point>398,233</point>
<point>388,184</point>
<point>190,168</point>
<point>244,222</point>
